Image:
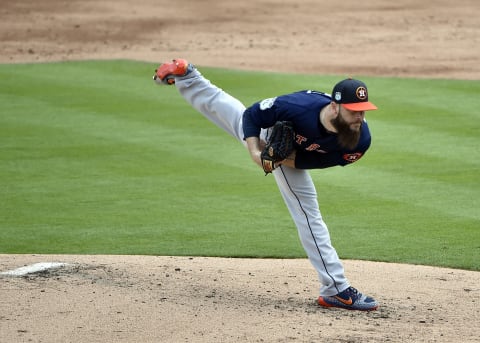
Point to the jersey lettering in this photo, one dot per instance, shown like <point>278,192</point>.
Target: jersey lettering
<point>300,139</point>
<point>315,147</point>
<point>312,147</point>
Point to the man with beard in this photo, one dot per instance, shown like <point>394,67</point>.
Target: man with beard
<point>330,130</point>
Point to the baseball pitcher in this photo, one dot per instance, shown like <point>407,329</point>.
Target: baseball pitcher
<point>287,135</point>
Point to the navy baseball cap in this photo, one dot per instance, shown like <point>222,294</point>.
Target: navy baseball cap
<point>353,95</point>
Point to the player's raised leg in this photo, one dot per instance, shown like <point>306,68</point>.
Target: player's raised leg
<point>215,104</point>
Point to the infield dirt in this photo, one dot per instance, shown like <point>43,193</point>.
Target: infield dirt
<point>181,299</point>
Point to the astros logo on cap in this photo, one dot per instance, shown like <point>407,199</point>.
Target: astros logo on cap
<point>361,93</point>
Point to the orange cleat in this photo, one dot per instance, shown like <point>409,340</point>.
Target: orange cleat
<point>349,299</point>
<point>167,71</point>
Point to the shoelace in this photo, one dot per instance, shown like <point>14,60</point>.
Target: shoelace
<point>351,292</point>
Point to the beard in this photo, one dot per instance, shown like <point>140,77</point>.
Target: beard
<point>347,138</point>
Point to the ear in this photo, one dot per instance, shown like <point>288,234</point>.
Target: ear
<point>335,109</point>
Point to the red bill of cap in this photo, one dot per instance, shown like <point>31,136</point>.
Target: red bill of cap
<point>360,106</point>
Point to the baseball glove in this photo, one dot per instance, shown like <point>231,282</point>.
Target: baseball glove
<point>279,145</point>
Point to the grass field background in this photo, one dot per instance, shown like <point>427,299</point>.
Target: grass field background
<point>97,159</point>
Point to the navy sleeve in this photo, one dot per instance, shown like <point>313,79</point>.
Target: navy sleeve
<point>261,115</point>
<point>251,128</point>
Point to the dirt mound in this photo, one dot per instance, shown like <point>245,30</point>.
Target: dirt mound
<point>196,299</point>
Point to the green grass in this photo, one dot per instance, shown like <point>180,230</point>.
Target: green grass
<point>97,159</point>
